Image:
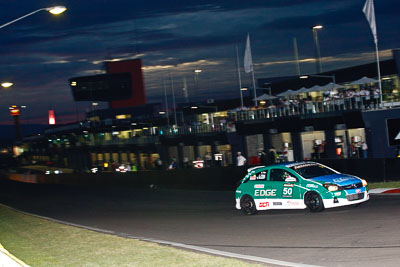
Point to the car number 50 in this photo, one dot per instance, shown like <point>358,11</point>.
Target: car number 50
<point>287,191</point>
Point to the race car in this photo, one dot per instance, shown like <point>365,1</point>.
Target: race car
<point>298,185</point>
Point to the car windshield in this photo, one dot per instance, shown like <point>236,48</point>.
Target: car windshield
<point>309,171</point>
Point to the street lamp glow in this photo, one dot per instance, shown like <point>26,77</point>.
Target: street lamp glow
<point>303,77</point>
<point>197,71</point>
<point>55,10</point>
<point>244,89</point>
<point>317,27</point>
<point>7,84</point>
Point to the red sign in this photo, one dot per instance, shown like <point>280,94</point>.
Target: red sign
<point>52,118</point>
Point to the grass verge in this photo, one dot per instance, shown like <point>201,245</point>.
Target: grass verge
<point>39,242</point>
<point>384,185</point>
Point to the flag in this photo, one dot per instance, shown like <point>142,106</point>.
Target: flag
<point>369,12</point>
<point>248,61</point>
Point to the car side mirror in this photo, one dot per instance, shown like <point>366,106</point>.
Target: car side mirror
<point>290,179</point>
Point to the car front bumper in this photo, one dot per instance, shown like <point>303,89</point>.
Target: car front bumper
<point>340,201</point>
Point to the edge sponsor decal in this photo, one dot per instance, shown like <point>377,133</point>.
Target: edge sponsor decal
<point>277,203</point>
<point>258,186</point>
<point>263,204</point>
<point>312,185</point>
<point>265,193</point>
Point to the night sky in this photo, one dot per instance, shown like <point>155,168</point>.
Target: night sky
<point>41,52</point>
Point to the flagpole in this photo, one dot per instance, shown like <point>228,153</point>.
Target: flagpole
<point>240,79</point>
<point>379,73</point>
<point>166,100</point>
<point>369,11</point>
<point>173,98</point>
<point>254,86</point>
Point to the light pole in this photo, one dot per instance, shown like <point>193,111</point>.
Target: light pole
<point>317,50</point>
<point>196,79</point>
<point>55,10</point>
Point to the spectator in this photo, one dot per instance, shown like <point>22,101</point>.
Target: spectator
<point>241,161</point>
<point>208,159</point>
<point>364,93</point>
<point>272,155</point>
<point>357,98</point>
<point>185,162</point>
<point>159,164</point>
<point>350,101</point>
<point>128,167</point>
<point>173,164</point>
<point>376,94</point>
<point>263,157</point>
<point>285,153</point>
<point>364,148</point>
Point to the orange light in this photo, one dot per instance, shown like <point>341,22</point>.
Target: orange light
<point>14,111</point>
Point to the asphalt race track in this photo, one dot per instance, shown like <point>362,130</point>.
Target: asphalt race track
<point>367,235</point>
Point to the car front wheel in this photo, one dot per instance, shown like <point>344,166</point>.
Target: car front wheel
<point>248,206</point>
<point>314,202</point>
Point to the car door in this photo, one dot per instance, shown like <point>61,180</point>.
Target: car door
<point>278,180</point>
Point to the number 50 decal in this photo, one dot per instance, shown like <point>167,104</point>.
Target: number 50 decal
<point>287,191</point>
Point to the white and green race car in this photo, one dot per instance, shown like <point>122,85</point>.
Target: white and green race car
<point>298,185</point>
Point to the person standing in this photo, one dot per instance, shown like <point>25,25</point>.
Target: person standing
<point>241,161</point>
<point>364,148</point>
<point>262,157</point>
<point>272,154</point>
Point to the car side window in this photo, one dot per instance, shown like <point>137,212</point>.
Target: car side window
<point>278,175</point>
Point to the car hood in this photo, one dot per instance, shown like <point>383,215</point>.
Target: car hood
<point>339,179</point>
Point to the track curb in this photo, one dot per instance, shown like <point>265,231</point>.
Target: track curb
<point>385,191</point>
<point>7,259</point>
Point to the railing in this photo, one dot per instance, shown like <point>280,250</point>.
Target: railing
<point>193,129</point>
<point>293,108</point>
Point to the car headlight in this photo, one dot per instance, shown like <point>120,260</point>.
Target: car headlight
<point>364,182</point>
<point>332,187</point>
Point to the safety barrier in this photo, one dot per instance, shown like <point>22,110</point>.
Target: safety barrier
<point>218,178</point>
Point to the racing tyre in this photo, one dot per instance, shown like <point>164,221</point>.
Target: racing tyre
<point>314,202</point>
<point>248,206</point>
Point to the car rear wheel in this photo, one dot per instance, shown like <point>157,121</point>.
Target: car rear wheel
<point>248,206</point>
<point>314,202</point>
